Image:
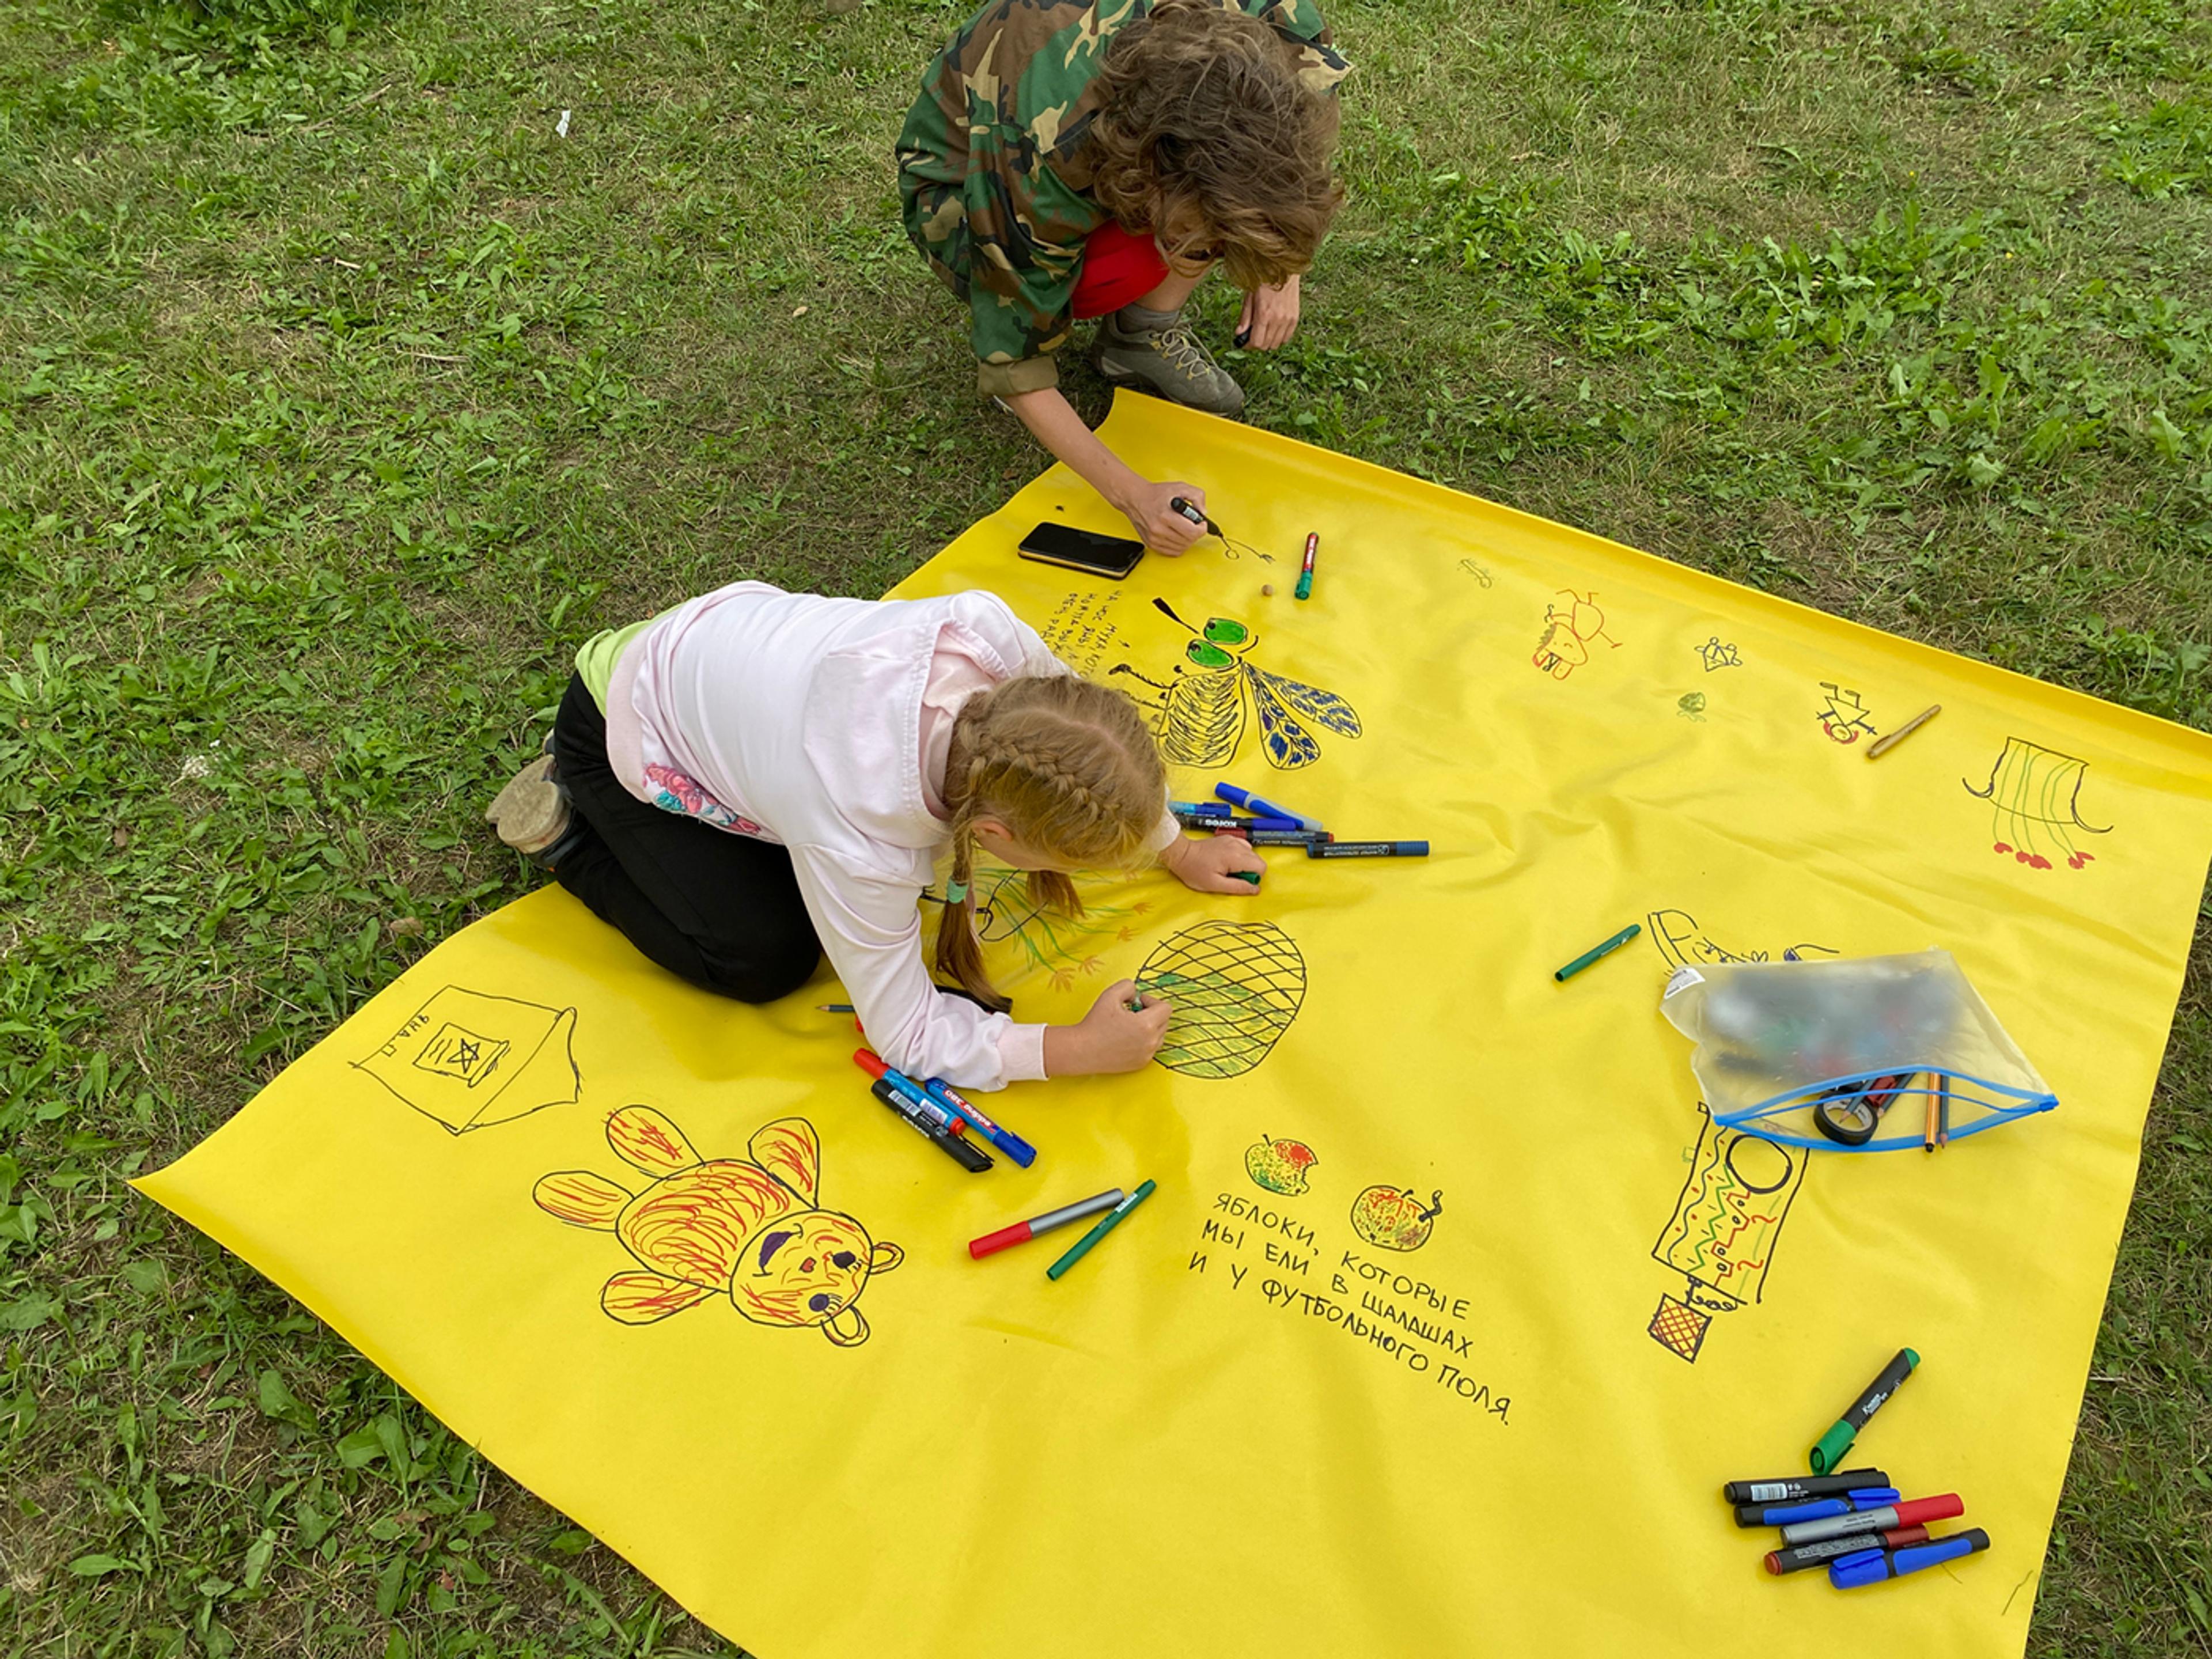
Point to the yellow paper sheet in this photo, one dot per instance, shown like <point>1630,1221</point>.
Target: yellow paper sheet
<point>1452,1312</point>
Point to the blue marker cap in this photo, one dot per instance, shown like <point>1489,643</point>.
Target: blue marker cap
<point>1866,1498</point>
<point>1872,1566</point>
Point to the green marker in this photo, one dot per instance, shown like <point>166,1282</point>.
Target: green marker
<point>1252,876</point>
<point>1107,1223</point>
<point>1595,952</point>
<point>1830,1450</point>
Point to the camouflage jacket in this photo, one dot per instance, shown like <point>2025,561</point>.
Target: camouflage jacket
<point>995,163</point>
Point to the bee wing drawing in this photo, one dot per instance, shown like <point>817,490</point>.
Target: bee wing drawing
<point>1288,744</point>
<point>1325,708</point>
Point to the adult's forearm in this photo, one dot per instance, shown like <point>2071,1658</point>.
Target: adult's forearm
<point>1054,423</point>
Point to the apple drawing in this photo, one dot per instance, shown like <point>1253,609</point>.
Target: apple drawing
<point>1281,1166</point>
<point>1392,1219</point>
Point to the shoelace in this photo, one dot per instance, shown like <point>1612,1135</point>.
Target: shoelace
<point>1181,350</point>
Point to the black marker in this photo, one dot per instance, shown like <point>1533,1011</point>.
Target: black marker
<point>1829,1449</point>
<point>1795,1488</point>
<point>973,1159</point>
<point>1814,1555</point>
<point>1367,850</point>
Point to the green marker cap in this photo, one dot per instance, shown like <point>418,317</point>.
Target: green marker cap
<point>1829,1449</point>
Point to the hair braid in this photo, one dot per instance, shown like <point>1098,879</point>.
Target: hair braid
<point>1071,769</point>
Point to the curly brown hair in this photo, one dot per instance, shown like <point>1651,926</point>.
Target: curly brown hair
<point>1208,141</point>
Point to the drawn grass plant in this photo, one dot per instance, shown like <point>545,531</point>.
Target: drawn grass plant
<point>339,396</point>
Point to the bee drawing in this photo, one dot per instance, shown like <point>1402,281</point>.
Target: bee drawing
<point>1205,706</point>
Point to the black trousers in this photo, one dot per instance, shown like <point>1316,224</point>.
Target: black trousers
<point>722,911</point>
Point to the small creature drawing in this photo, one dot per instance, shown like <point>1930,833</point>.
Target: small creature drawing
<point>2035,794</point>
<point>1691,705</point>
<point>1480,573</point>
<point>1685,945</point>
<point>1570,630</point>
<point>745,1228</point>
<point>1843,716</point>
<point>1203,709</point>
<point>1715,654</point>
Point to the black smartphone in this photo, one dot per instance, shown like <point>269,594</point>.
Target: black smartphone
<point>1087,551</point>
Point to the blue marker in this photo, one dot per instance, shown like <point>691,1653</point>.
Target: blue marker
<point>934,1113</point>
<point>1200,809</point>
<point>1252,803</point>
<point>1872,1566</point>
<point>1243,826</point>
<point>1781,1514</point>
<point>1005,1139</point>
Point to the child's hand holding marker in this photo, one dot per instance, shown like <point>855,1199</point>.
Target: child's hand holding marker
<point>1219,864</point>
<point>1123,1032</point>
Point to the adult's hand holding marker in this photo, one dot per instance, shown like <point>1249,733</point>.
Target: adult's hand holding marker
<point>1150,507</point>
<point>1053,419</point>
<point>1216,863</point>
<point>1123,1031</point>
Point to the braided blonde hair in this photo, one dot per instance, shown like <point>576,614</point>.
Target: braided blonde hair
<point>1071,767</point>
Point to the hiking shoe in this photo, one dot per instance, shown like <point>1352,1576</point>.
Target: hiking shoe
<point>1155,349</point>
<point>532,814</point>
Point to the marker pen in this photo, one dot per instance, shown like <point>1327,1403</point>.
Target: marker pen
<point>1829,1449</point>
<point>1872,1566</point>
<point>1829,1549</point>
<point>973,1159</point>
<point>1367,850</point>
<point>1203,820</point>
<point>931,1112</point>
<point>1022,1232</point>
<point>1200,809</point>
<point>1304,589</point>
<point>1252,803</point>
<point>1005,1139</point>
<point>1880,1520</point>
<point>1813,1509</point>
<point>1105,1224</point>
<point>1282,837</point>
<point>1791,1487</point>
<point>1594,953</point>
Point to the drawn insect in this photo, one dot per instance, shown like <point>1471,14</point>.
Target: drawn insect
<point>1203,708</point>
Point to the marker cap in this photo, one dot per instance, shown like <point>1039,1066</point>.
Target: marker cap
<point>1929,1508</point>
<point>1829,1449</point>
<point>1872,1566</point>
<point>991,1243</point>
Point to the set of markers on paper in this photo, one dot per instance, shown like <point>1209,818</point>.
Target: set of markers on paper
<point>1853,1522</point>
<point>952,1123</point>
<point>1267,824</point>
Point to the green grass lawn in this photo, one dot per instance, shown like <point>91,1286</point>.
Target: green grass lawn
<point>339,396</point>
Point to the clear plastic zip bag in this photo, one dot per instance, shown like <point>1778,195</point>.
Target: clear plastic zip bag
<point>1851,1053</point>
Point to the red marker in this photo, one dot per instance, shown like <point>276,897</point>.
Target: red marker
<point>1304,589</point>
<point>1022,1232</point>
